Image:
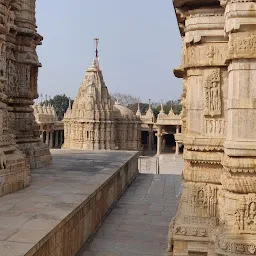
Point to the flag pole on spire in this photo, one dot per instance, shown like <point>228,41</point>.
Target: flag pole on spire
<point>96,40</point>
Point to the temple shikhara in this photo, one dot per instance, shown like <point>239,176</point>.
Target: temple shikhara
<point>96,122</point>
<point>217,212</point>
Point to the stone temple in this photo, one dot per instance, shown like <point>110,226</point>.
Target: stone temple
<point>96,122</point>
<point>20,144</point>
<point>68,200</point>
<point>50,128</point>
<point>217,208</point>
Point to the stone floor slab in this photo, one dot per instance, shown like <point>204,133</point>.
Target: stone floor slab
<point>138,225</point>
<point>27,216</point>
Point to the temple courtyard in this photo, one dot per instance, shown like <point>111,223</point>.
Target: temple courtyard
<point>71,199</point>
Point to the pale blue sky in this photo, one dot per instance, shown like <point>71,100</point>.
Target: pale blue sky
<point>139,46</point>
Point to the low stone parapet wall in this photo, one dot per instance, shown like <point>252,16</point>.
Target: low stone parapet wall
<point>69,236</point>
<point>65,202</point>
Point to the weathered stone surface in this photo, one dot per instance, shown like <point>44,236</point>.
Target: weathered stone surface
<point>138,224</point>
<point>216,213</point>
<point>64,203</point>
<point>95,122</point>
<point>21,64</point>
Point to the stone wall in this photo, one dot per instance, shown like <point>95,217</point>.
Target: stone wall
<point>217,209</point>
<point>67,238</point>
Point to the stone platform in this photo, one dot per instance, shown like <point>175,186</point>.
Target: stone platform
<point>65,202</point>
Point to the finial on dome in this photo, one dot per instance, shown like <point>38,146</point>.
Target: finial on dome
<point>97,57</point>
<point>49,102</point>
<point>96,44</point>
<point>138,106</point>
<point>46,100</point>
<point>171,113</point>
<point>162,108</point>
<point>149,104</point>
<point>138,113</point>
<point>69,103</point>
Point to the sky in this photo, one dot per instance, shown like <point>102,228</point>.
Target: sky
<point>139,46</point>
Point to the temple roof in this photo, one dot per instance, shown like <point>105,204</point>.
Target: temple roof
<point>45,113</point>
<point>123,112</point>
<point>93,100</point>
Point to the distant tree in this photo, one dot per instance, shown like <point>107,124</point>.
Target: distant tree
<point>125,99</point>
<point>60,103</point>
<point>175,105</point>
<point>134,107</point>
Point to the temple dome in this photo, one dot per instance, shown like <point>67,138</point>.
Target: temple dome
<point>123,112</point>
<point>94,66</point>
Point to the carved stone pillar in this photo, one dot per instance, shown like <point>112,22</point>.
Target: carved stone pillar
<point>177,129</point>
<point>150,137</point>
<point>42,135</point>
<point>47,140</point>
<point>51,139</point>
<point>14,168</point>
<point>236,235</point>
<point>61,138</point>
<point>159,140</point>
<point>22,72</point>
<point>177,144</point>
<point>204,104</point>
<point>177,148</point>
<point>56,139</point>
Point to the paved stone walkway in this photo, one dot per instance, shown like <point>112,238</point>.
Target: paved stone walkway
<point>138,225</point>
<point>28,215</point>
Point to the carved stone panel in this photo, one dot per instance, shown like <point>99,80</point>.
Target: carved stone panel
<point>242,46</point>
<point>205,55</point>
<point>214,127</point>
<point>212,93</point>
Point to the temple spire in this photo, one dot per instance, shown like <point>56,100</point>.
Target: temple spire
<point>149,105</point>
<point>69,103</point>
<point>138,113</point>
<point>162,108</point>
<point>97,57</point>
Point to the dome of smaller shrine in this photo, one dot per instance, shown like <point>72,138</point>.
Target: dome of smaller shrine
<point>94,67</point>
<point>123,112</point>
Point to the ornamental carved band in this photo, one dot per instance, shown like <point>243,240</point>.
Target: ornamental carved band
<point>242,47</point>
<point>212,92</point>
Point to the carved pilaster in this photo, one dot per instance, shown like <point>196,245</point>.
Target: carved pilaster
<point>14,168</point>
<point>21,87</point>
<point>204,114</point>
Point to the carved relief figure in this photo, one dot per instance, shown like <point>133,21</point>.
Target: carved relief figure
<point>3,160</point>
<point>200,198</point>
<point>251,215</point>
<point>212,94</point>
<point>13,77</point>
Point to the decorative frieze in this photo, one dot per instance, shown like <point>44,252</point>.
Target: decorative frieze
<point>214,127</point>
<point>204,55</point>
<point>242,46</point>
